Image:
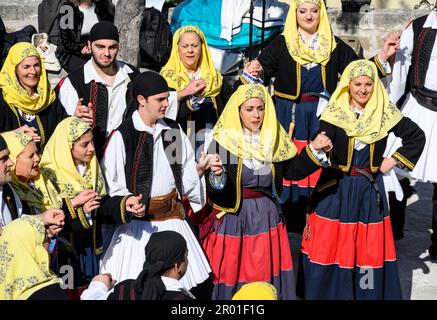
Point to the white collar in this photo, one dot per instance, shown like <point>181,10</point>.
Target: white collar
<point>81,168</point>
<point>172,284</point>
<point>90,73</point>
<point>357,111</point>
<point>431,20</point>
<point>139,125</point>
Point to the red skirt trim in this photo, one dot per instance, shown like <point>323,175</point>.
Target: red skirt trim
<point>327,241</point>
<point>309,181</point>
<point>248,258</point>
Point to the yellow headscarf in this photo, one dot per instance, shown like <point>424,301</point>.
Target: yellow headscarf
<point>380,115</point>
<point>300,51</point>
<point>13,93</point>
<point>48,198</point>
<point>24,262</point>
<point>256,291</point>
<point>58,164</point>
<point>176,74</point>
<point>274,144</point>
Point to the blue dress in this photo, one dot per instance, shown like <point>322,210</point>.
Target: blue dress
<point>295,194</point>
<point>347,245</point>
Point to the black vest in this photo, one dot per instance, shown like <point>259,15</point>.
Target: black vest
<point>98,94</point>
<point>424,39</point>
<point>139,157</point>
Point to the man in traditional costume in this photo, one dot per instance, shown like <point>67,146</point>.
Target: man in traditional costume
<point>150,156</point>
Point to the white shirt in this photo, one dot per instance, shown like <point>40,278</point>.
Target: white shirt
<point>116,93</point>
<point>89,18</point>
<point>236,12</point>
<point>163,182</point>
<point>99,291</point>
<point>5,214</point>
<point>403,61</point>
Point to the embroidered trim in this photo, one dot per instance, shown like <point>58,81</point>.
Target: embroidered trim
<point>238,185</point>
<point>82,218</point>
<point>189,105</point>
<point>214,104</point>
<point>136,164</point>
<point>98,250</point>
<point>349,157</point>
<point>70,208</point>
<point>379,66</point>
<point>372,153</point>
<point>404,160</point>
<point>41,130</point>
<point>243,79</point>
<point>289,96</point>
<point>312,157</point>
<point>324,76</point>
<point>123,209</point>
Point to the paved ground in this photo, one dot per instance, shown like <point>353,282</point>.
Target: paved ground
<point>417,272</point>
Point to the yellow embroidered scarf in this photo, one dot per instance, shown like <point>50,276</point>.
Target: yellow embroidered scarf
<point>24,262</point>
<point>58,165</point>
<point>48,197</point>
<point>274,144</point>
<point>380,115</point>
<point>300,51</point>
<point>176,74</point>
<point>13,93</point>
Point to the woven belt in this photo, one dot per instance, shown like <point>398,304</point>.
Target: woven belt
<point>356,171</point>
<point>306,97</point>
<point>252,194</point>
<point>367,173</point>
<point>163,208</point>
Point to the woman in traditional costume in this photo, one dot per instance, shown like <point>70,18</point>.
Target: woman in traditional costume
<point>305,62</point>
<point>244,236</point>
<point>347,244</point>
<point>26,98</point>
<point>69,161</point>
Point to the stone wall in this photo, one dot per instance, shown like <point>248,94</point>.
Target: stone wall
<point>370,27</point>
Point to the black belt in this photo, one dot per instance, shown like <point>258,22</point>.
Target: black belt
<point>425,98</point>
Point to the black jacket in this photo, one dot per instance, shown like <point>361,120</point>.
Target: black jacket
<point>413,140</point>
<point>229,198</point>
<point>277,62</point>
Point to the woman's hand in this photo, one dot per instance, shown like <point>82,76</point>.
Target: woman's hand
<point>91,205</point>
<point>53,217</point>
<point>211,162</point>
<point>254,68</point>
<point>322,142</point>
<point>194,88</point>
<point>84,112</point>
<point>215,164</point>
<point>54,220</point>
<point>387,164</point>
<point>84,197</point>
<point>135,206</point>
<point>106,279</point>
<point>30,131</point>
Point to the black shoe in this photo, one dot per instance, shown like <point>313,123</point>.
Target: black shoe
<point>432,251</point>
